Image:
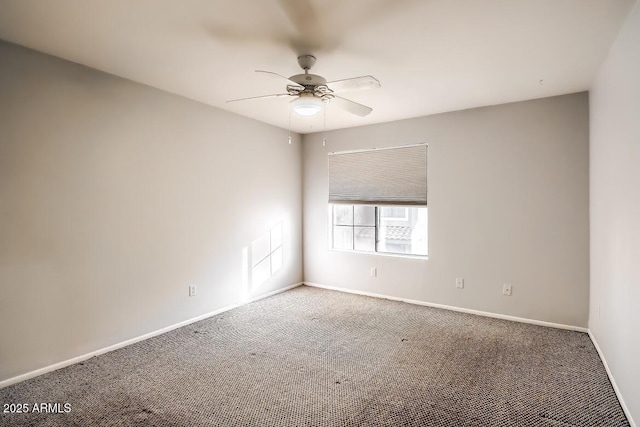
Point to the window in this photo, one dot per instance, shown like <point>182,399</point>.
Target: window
<point>378,200</point>
<point>379,229</point>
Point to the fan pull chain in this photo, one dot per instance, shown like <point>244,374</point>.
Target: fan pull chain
<point>289,126</point>
<point>324,126</point>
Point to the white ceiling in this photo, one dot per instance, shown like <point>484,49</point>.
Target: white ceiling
<point>430,56</point>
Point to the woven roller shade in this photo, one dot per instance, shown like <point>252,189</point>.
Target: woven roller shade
<point>387,176</point>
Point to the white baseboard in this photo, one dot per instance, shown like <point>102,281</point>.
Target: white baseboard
<point>613,381</point>
<point>68,362</point>
<point>452,308</point>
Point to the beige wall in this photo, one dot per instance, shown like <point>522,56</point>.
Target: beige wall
<point>614,318</point>
<point>508,203</point>
<point>114,197</point>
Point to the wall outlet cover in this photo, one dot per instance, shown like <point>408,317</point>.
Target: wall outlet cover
<point>506,289</point>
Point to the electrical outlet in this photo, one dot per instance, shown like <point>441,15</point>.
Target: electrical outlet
<point>460,282</point>
<point>373,272</point>
<point>192,290</point>
<point>506,289</point>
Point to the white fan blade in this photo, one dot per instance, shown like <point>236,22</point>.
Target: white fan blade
<point>355,83</point>
<point>275,95</point>
<point>352,107</point>
<point>289,82</point>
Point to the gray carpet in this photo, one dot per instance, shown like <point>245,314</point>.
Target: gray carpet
<point>311,357</point>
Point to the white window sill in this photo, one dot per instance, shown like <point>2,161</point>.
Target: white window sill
<point>385,254</point>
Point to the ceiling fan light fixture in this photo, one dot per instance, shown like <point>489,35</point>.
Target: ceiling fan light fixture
<point>307,105</point>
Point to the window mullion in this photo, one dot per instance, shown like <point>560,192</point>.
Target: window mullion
<point>377,225</point>
<point>353,227</point>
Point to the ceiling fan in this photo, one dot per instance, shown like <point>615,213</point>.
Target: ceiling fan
<point>311,91</point>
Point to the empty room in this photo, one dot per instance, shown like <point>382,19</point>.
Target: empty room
<point>320,213</point>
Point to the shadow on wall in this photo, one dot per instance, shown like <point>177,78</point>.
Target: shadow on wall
<point>261,260</point>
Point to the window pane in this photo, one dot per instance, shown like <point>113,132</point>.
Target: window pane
<point>364,239</point>
<point>343,238</point>
<point>342,214</point>
<point>364,215</point>
<point>404,236</point>
<point>394,212</point>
